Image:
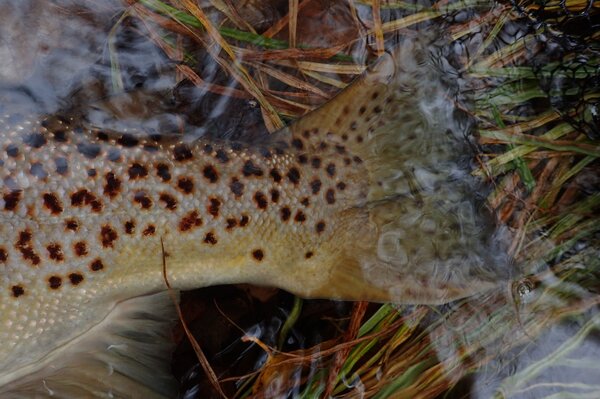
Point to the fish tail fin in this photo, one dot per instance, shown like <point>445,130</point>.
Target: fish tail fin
<point>422,234</point>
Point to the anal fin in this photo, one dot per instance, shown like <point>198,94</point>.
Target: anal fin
<point>126,355</point>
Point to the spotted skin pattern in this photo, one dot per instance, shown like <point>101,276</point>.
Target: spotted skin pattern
<point>362,199</point>
<point>93,212</point>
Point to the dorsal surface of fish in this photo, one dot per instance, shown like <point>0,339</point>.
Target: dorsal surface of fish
<point>363,200</point>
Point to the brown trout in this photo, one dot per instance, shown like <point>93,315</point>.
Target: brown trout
<point>367,198</point>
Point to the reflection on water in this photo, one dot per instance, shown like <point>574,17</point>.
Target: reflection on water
<point>534,336</point>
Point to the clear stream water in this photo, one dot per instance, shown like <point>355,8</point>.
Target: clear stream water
<point>55,57</point>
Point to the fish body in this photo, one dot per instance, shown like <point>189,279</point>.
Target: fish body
<point>363,200</point>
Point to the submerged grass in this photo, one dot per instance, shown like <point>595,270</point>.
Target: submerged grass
<point>541,164</point>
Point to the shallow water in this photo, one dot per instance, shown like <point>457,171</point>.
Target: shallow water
<point>536,338</point>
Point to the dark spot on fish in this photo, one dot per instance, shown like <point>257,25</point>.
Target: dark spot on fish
<point>3,255</point>
<point>374,95</point>
<point>357,159</point>
<point>150,148</point>
<point>169,201</point>
<point>210,238</point>
<point>315,186</point>
<point>75,278</point>
<point>362,110</point>
<point>294,175</point>
<point>261,200</point>
<point>359,139</point>
<point>55,252</point>
<point>353,125</point>
<point>347,161</point>
<point>303,159</point>
<point>71,224</point>
<point>80,248</point>
<point>308,255</point>
<point>11,200</point>
<point>96,265</point>
<point>377,109</point>
<point>24,246</point>
<point>298,144</point>
<point>149,230</point>
<point>341,186</point>
<point>305,201</point>
<point>59,136</point>
<point>275,175</point>
<point>222,156</point>
<point>258,254</point>
<point>210,173</point>
<point>52,203</point>
<point>162,171</point>
<point>285,213</point>
<point>185,184</point>
<point>142,199</point>
<point>316,162</point>
<point>128,141</point>
<point>249,169</point>
<point>208,149</point>
<point>137,171</point>
<point>17,291</point>
<point>320,227</point>
<point>54,282</point>
<point>213,206</point>
<point>113,155</point>
<point>181,153</point>
<point>189,221</point>
<point>306,134</point>
<point>323,145</point>
<point>330,196</point>
<point>300,217</point>
<point>231,223</point>
<point>102,136</point>
<point>62,166</point>
<point>244,220</point>
<point>130,227</point>
<point>35,140</point>
<point>92,172</point>
<point>89,150</point>
<point>265,153</point>
<point>12,150</point>
<point>112,186</point>
<point>340,149</point>
<point>330,169</point>
<point>108,236</point>
<point>236,187</point>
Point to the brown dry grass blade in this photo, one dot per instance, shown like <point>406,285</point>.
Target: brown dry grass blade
<point>377,27</point>
<point>288,54</point>
<point>290,80</point>
<point>358,313</point>
<point>293,24</point>
<point>212,377</point>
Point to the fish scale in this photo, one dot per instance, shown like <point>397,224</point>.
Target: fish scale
<point>364,199</point>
